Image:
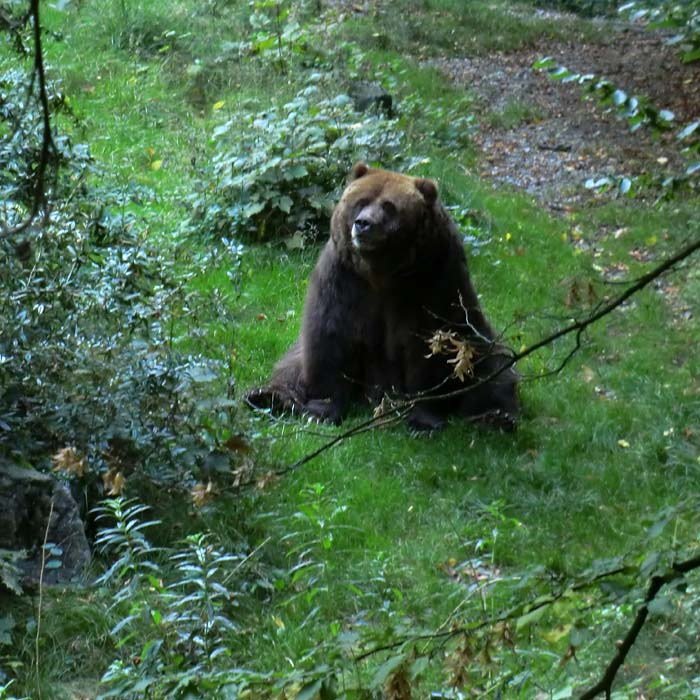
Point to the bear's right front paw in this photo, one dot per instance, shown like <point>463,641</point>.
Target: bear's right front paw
<point>423,420</point>
<point>324,410</point>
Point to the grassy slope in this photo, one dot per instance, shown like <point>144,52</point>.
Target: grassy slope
<point>559,493</point>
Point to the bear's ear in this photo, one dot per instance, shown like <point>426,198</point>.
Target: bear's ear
<point>428,189</point>
<point>358,170</point>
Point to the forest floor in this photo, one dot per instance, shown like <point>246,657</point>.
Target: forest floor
<point>542,136</point>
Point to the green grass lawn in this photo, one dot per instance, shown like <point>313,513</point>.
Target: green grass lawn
<point>374,535</point>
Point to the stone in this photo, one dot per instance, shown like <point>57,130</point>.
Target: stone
<point>370,97</point>
<point>26,498</point>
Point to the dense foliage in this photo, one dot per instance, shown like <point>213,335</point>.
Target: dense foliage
<point>94,313</point>
<point>278,172</point>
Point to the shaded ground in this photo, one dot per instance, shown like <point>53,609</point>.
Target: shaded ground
<point>540,135</point>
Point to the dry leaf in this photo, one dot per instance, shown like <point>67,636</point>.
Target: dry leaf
<point>266,479</point>
<point>114,482</point>
<point>463,362</point>
<point>203,494</point>
<point>237,443</point>
<point>397,686</point>
<point>69,462</point>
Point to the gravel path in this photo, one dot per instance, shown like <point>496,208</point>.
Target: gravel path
<point>557,140</point>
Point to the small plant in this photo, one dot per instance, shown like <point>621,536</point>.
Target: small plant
<point>277,34</point>
<point>278,172</point>
<point>175,622</point>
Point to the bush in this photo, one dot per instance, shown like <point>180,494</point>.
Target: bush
<point>89,353</point>
<point>93,318</point>
<point>21,127</point>
<point>279,171</point>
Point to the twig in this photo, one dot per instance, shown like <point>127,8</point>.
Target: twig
<point>41,599</point>
<point>604,685</point>
<point>508,615</point>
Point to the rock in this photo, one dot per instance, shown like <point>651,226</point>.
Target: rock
<point>26,496</point>
<point>370,97</point>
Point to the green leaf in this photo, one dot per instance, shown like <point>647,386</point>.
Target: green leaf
<point>310,690</point>
<point>10,575</point>
<point>690,129</point>
<point>661,606</point>
<point>295,172</point>
<point>285,204</point>
<point>252,209</point>
<point>7,624</point>
<point>619,97</point>
<point>690,56</point>
<point>546,62</point>
<point>386,669</point>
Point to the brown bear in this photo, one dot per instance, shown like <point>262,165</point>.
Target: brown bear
<point>391,276</point>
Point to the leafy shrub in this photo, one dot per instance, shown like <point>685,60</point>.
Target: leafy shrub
<point>279,171</point>
<point>21,127</point>
<point>277,33</point>
<point>93,316</point>
<point>176,610</point>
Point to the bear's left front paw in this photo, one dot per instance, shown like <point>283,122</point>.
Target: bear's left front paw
<point>499,419</point>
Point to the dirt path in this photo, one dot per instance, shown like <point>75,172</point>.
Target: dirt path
<point>541,136</point>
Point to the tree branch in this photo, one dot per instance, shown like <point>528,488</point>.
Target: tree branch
<point>47,143</point>
<point>580,326</point>
<point>604,685</point>
<point>511,614</point>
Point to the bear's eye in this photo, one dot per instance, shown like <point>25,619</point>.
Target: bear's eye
<point>389,208</point>
<point>361,204</point>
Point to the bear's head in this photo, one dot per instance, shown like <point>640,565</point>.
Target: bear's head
<point>383,216</point>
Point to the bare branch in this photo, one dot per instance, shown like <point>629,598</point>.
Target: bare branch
<point>581,325</point>
<point>47,143</point>
<point>604,685</point>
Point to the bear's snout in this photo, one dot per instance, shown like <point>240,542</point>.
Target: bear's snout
<point>363,225</point>
<point>362,230</point>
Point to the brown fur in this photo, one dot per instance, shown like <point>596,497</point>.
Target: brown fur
<point>392,273</point>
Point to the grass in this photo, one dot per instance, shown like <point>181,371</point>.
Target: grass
<point>426,28</point>
<point>381,519</point>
